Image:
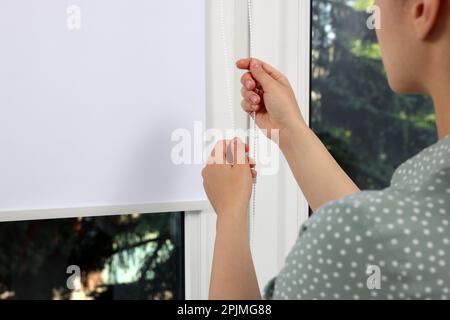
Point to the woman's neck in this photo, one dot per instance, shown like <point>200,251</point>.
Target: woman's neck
<point>437,85</point>
<point>441,99</point>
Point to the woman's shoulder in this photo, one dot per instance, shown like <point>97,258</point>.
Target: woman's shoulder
<point>360,208</point>
<point>390,215</point>
<point>424,167</point>
<point>432,196</point>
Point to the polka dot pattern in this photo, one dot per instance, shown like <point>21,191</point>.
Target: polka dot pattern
<point>403,230</point>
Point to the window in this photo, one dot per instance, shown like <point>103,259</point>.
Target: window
<point>369,129</point>
<point>113,257</point>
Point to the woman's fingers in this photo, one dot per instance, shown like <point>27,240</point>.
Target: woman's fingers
<point>219,153</point>
<point>251,100</point>
<point>248,82</point>
<point>231,152</point>
<point>257,93</point>
<point>245,64</point>
<point>251,97</point>
<point>248,107</point>
<point>239,151</point>
<point>251,162</point>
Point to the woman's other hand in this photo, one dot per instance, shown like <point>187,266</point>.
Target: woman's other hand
<point>228,183</point>
<point>267,92</point>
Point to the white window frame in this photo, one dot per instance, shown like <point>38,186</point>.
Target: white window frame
<point>282,38</point>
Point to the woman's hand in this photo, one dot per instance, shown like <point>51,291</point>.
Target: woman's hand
<point>228,183</point>
<point>268,93</point>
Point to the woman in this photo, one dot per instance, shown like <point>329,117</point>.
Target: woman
<point>402,233</point>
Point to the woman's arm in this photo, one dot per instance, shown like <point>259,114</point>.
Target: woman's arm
<point>233,274</point>
<point>317,173</point>
<point>229,188</point>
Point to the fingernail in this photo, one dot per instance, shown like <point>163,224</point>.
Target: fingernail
<point>230,154</point>
<point>254,99</point>
<point>248,84</point>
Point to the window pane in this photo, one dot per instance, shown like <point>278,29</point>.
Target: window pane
<point>368,129</point>
<point>119,257</point>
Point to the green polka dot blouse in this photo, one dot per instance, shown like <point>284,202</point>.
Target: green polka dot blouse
<point>388,244</point>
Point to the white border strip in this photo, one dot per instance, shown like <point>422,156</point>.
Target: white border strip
<point>61,213</point>
<point>192,255</point>
<point>198,250</point>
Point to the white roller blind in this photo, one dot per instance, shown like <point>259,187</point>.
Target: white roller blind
<point>86,115</point>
